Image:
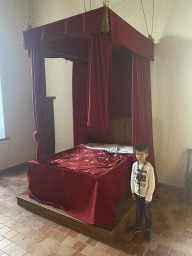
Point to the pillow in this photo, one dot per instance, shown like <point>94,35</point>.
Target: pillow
<point>113,148</point>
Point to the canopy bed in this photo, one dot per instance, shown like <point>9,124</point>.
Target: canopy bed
<point>111,86</point>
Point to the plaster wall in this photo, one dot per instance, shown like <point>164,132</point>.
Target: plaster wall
<point>16,87</point>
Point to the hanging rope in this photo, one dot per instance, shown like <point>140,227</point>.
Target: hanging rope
<point>26,5</point>
<point>117,4</point>
<point>28,20</point>
<point>144,16</point>
<point>84,6</point>
<point>32,15</point>
<point>149,35</point>
<point>93,3</point>
<point>33,10</point>
<point>153,16</point>
<point>106,3</point>
<point>73,5</point>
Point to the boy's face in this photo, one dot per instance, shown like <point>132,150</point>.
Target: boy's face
<point>141,156</point>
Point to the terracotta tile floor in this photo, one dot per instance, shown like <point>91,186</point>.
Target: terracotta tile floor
<point>24,233</point>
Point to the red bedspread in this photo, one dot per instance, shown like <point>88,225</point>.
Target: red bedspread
<point>84,182</point>
<point>88,160</point>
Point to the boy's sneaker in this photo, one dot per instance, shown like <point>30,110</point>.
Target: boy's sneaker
<point>148,235</point>
<point>134,229</point>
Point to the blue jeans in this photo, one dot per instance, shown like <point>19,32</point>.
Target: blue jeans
<point>143,208</point>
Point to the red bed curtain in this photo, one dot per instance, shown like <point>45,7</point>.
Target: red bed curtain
<point>91,90</point>
<point>141,106</point>
<point>121,83</point>
<point>80,102</point>
<point>100,59</point>
<point>39,97</point>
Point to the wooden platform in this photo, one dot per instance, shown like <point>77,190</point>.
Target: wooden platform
<point>107,234</point>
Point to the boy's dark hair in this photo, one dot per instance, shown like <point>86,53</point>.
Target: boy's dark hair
<point>141,147</point>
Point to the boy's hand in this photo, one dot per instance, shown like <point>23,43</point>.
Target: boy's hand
<point>133,196</point>
<point>147,202</point>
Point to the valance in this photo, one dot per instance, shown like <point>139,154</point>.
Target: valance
<point>69,37</point>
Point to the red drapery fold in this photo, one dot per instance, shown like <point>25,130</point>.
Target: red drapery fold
<point>141,106</point>
<point>39,97</point>
<point>120,85</point>
<point>100,56</point>
<point>80,102</point>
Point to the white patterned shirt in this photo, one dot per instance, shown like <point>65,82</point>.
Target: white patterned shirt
<point>146,179</point>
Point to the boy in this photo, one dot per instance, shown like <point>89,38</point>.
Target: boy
<point>142,188</point>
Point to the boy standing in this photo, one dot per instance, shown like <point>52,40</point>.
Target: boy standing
<point>142,188</point>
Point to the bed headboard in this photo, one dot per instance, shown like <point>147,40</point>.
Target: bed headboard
<point>120,131</point>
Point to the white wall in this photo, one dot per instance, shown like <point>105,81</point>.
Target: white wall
<point>59,84</point>
<point>16,87</point>
<point>43,12</point>
<point>172,95</point>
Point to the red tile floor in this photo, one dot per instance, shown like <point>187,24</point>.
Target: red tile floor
<point>25,233</point>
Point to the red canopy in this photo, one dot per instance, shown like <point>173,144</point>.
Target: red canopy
<point>69,38</point>
<point>96,74</point>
